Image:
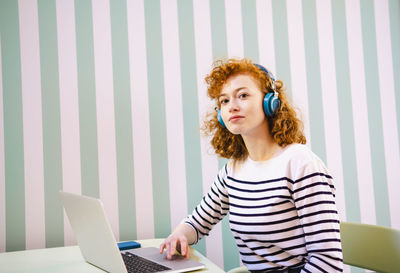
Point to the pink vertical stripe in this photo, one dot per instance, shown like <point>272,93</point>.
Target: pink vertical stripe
<point>298,62</point>
<point>234,28</point>
<point>140,120</point>
<point>105,111</point>
<point>266,45</point>
<point>209,162</point>
<point>360,112</point>
<point>32,124</point>
<point>174,112</point>
<point>69,109</point>
<point>330,100</point>
<point>388,106</point>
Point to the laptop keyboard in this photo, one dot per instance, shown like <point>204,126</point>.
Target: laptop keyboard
<point>136,264</point>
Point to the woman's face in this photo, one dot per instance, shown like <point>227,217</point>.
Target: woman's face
<point>241,101</point>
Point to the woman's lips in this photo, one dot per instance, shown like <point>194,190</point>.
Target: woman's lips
<point>235,118</point>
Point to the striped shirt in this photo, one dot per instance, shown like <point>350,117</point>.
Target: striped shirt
<point>282,212</point>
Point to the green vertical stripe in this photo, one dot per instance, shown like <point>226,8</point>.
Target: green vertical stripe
<point>281,42</point>
<point>54,216</point>
<point>218,29</point>
<point>394,12</point>
<point>13,128</point>
<point>250,36</point>
<point>158,131</point>
<point>194,180</point>
<point>220,49</point>
<point>87,98</point>
<point>374,114</point>
<point>231,252</point>
<point>316,112</point>
<point>347,139</point>
<point>123,120</point>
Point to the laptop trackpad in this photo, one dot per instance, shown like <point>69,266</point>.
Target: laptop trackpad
<point>178,262</point>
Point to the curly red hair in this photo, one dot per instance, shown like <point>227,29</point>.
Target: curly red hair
<point>284,126</point>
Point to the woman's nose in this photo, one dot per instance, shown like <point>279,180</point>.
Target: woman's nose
<point>233,106</point>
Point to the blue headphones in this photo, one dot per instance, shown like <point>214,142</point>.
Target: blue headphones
<point>271,101</point>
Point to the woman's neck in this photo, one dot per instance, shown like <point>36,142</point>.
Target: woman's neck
<point>261,148</point>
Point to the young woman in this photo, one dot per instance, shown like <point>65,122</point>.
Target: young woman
<point>278,193</point>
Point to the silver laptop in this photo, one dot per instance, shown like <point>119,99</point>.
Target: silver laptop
<point>98,245</point>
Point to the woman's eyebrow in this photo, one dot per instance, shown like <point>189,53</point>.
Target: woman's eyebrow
<point>234,91</point>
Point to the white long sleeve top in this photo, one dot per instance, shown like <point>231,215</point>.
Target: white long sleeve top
<point>282,212</point>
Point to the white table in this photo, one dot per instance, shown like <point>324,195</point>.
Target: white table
<point>69,259</point>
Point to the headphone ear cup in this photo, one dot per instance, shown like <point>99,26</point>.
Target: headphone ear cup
<point>221,121</point>
<point>271,104</point>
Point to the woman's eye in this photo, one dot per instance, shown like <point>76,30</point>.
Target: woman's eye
<point>243,95</point>
<point>223,101</point>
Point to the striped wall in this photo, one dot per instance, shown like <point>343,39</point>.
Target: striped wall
<point>105,98</point>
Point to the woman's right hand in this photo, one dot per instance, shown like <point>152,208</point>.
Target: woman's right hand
<point>175,243</point>
<point>179,241</point>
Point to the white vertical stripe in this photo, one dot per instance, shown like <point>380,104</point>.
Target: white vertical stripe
<point>387,92</point>
<point>266,47</point>
<point>174,113</point>
<point>2,167</point>
<point>234,28</point>
<point>32,124</point>
<point>204,60</point>
<point>209,162</point>
<point>140,119</point>
<point>298,63</point>
<point>69,108</point>
<point>360,112</point>
<point>105,111</point>
<point>330,100</point>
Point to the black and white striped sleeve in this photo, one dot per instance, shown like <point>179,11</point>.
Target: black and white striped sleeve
<point>313,194</point>
<point>212,208</point>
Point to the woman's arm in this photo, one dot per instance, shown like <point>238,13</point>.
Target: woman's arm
<point>314,197</point>
<point>212,208</point>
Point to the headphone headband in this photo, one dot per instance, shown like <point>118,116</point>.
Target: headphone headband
<point>266,71</point>
<point>269,75</point>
